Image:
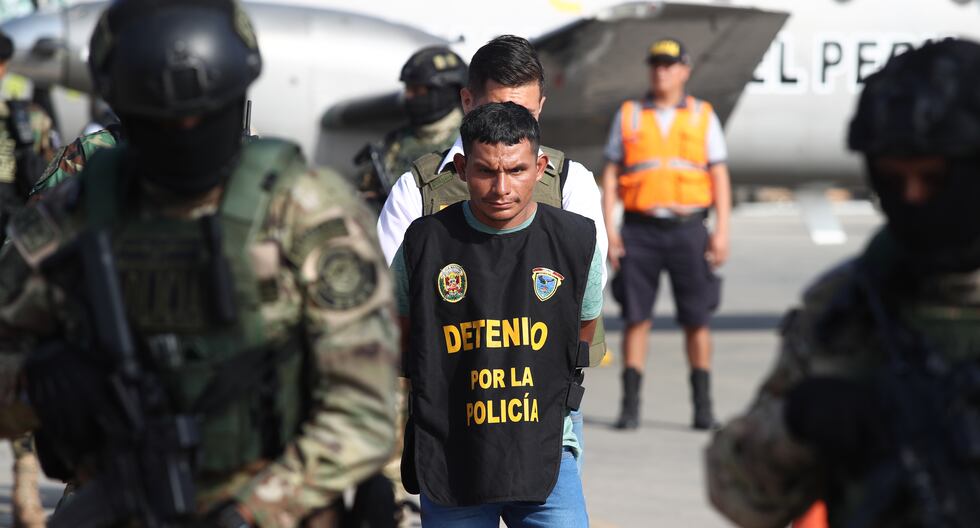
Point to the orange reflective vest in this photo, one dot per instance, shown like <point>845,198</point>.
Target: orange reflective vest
<point>663,171</point>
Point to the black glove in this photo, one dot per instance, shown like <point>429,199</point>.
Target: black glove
<point>841,419</point>
<point>67,393</point>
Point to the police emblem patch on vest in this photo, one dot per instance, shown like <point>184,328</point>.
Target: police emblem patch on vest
<point>452,283</point>
<point>545,282</point>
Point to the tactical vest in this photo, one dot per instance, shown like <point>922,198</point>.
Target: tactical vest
<point>665,171</point>
<point>442,189</point>
<point>494,354</point>
<point>237,368</point>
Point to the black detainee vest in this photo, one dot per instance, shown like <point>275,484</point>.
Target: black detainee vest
<point>494,349</point>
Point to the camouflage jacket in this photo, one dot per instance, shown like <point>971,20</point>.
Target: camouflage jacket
<point>760,476</point>
<point>403,146</point>
<point>70,159</point>
<point>350,428</point>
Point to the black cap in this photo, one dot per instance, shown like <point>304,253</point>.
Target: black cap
<point>667,50</point>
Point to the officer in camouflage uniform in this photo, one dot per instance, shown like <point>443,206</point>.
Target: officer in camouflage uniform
<point>257,379</point>
<point>872,403</point>
<point>27,142</point>
<point>433,77</point>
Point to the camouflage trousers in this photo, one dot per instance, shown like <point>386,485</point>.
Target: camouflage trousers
<point>393,469</point>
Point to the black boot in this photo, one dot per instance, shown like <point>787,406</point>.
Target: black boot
<point>629,418</point>
<point>704,419</point>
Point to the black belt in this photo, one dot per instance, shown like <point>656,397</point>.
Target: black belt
<point>671,221</point>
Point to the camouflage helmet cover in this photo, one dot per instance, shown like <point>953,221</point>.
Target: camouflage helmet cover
<point>923,102</point>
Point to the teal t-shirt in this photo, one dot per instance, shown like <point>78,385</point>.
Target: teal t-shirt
<point>591,303</point>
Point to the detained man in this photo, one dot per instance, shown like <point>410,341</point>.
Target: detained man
<point>498,296</point>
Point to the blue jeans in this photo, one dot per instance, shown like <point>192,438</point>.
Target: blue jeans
<point>577,429</point>
<point>564,508</point>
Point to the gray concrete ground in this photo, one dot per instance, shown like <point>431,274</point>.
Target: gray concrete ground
<point>654,477</point>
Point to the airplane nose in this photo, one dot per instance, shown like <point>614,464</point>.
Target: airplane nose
<point>39,46</point>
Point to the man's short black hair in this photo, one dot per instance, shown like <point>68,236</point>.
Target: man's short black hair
<point>6,47</point>
<point>494,123</point>
<point>507,60</point>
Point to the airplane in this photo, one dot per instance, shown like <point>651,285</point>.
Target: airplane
<point>330,78</point>
<point>782,75</point>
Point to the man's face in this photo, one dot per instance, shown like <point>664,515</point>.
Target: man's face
<point>526,95</point>
<point>668,76</point>
<point>913,180</point>
<point>501,179</point>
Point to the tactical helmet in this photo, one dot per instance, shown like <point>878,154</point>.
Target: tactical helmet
<point>173,58</point>
<point>436,66</point>
<point>923,102</point>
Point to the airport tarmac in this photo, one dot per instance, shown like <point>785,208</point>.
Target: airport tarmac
<point>654,476</point>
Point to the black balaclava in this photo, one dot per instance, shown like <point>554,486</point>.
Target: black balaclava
<point>187,161</point>
<point>942,234</point>
<point>433,106</point>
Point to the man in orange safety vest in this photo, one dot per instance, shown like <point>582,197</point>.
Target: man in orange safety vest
<point>666,163</point>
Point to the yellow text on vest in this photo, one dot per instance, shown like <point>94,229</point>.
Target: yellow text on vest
<point>495,333</point>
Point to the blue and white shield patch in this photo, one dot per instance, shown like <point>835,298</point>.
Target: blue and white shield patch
<point>545,282</point>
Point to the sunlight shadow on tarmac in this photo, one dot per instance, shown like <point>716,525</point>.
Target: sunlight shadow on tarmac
<point>723,322</point>
<point>644,424</point>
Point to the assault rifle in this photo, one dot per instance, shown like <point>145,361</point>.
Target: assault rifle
<point>144,462</point>
<point>372,153</point>
<point>932,467</point>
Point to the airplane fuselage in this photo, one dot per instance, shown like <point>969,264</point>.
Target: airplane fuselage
<point>790,124</point>
<point>788,128</point>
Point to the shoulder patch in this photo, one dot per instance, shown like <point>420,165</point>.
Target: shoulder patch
<point>35,234</point>
<point>345,279</point>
